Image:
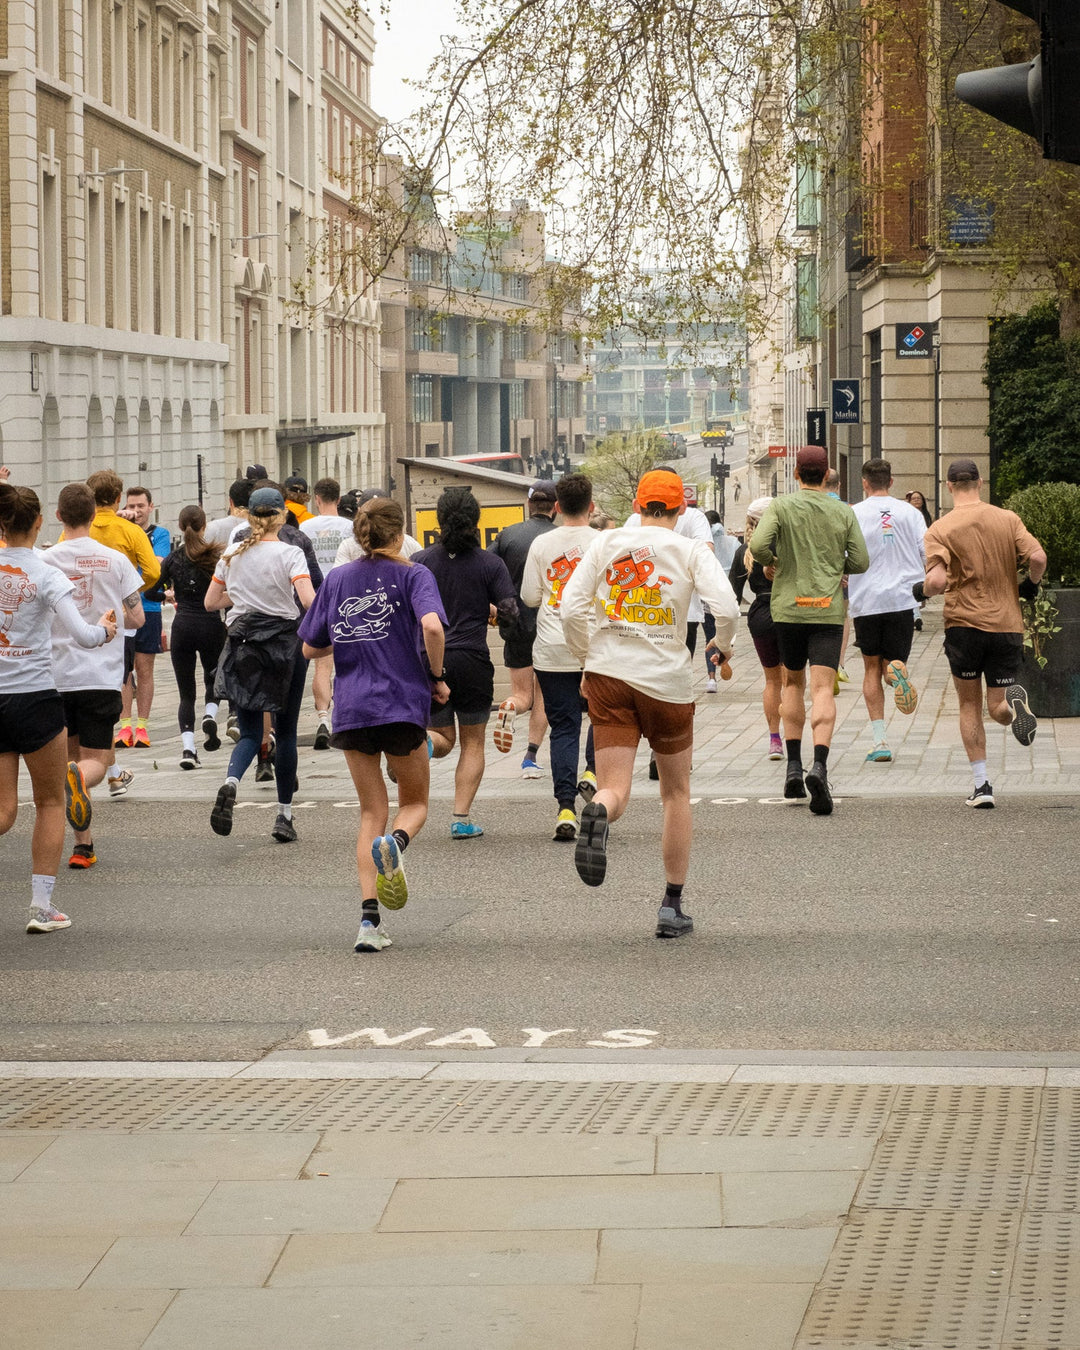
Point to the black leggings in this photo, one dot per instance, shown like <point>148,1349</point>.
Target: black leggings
<point>201,635</point>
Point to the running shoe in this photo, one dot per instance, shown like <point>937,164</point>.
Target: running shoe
<point>654,772</point>
<point>881,754</point>
<point>391,888</point>
<point>842,675</point>
<point>465,829</point>
<point>119,785</point>
<point>504,726</point>
<point>190,760</point>
<point>46,919</point>
<point>793,780</point>
<point>123,739</point>
<point>836,685</point>
<point>264,769</point>
<point>77,799</point>
<point>232,728</point>
<point>284,830</point>
<point>211,741</point>
<point>82,857</point>
<point>817,780</point>
<point>776,747</point>
<point>322,737</point>
<point>896,674</point>
<point>669,924</point>
<point>565,826</point>
<point>390,772</point>
<point>221,815</point>
<point>710,686</point>
<point>1024,724</point>
<point>372,938</point>
<point>530,768</point>
<point>141,738</point>
<point>590,855</point>
<point>982,798</point>
<point>587,785</point>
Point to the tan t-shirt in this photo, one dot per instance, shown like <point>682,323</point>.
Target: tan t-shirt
<point>981,547</point>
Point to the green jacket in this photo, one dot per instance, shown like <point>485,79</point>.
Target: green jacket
<point>814,541</point>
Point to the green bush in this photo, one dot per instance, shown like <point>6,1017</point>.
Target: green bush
<point>1051,511</point>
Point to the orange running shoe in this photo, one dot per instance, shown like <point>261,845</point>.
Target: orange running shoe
<point>142,738</point>
<point>83,856</point>
<point>123,739</point>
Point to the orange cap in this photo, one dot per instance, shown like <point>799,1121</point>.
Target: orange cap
<point>663,486</point>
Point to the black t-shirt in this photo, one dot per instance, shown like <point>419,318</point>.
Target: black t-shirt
<point>512,545</point>
<point>759,616</point>
<point>469,583</point>
<point>188,583</point>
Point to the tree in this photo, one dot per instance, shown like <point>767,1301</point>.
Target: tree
<point>616,465</point>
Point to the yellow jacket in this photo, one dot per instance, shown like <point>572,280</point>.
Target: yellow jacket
<point>127,538</point>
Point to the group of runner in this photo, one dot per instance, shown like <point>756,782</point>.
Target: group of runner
<point>598,620</point>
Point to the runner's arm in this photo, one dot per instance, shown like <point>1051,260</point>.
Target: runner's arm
<point>576,605</point>
<point>134,616</point>
<point>85,634</point>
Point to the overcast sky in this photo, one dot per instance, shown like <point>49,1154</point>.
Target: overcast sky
<point>406,42</point>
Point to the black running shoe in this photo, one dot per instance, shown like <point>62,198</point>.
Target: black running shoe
<point>817,780</point>
<point>1024,724</point>
<point>284,830</point>
<point>212,741</point>
<point>322,738</point>
<point>669,924</point>
<point>264,770</point>
<point>654,771</point>
<point>221,815</point>
<point>590,853</point>
<point>982,798</point>
<point>793,782</point>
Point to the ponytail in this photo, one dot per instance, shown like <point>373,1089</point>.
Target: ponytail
<point>378,528</point>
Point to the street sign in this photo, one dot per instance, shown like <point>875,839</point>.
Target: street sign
<point>914,339</point>
<point>777,451</point>
<point>845,402</point>
<point>815,427</point>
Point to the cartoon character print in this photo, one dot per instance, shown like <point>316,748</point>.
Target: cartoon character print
<point>560,572</point>
<point>628,573</point>
<point>364,618</point>
<point>16,589</point>
<point>84,591</point>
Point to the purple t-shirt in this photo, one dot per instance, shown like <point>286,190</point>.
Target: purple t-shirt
<point>369,611</point>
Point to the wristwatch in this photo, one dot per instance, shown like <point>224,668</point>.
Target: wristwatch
<point>437,679</point>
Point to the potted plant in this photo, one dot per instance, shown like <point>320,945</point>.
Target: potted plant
<point>1051,511</point>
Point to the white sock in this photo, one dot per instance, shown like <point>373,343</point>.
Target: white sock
<point>234,781</point>
<point>978,769</point>
<point>323,714</point>
<point>41,890</point>
<point>877,727</point>
<point>187,740</point>
<point>285,810</point>
<point>211,710</point>
<point>113,771</point>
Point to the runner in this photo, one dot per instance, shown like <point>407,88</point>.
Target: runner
<point>140,684</point>
<point>807,542</point>
<point>89,681</point>
<point>31,711</point>
<point>972,556</point>
<point>327,531</point>
<point>553,558</point>
<point>471,581</point>
<point>262,668</point>
<point>220,531</point>
<point>624,616</point>
<point>880,598</point>
<point>350,550</point>
<point>297,498</point>
<point>188,571</point>
<point>512,545</point>
<point>746,572</point>
<point>377,620</point>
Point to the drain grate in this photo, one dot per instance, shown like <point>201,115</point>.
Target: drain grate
<point>814,1110</point>
<point>671,1108</point>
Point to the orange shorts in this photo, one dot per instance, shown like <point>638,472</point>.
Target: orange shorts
<point>621,715</point>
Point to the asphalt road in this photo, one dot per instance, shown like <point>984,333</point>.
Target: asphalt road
<point>908,924</point>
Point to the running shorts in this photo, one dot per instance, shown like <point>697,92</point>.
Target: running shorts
<point>92,715</point>
<point>886,635</point>
<point>815,643</point>
<point>518,652</point>
<point>767,648</point>
<point>621,715</point>
<point>129,655</point>
<point>390,738</point>
<point>470,677</point>
<point>30,721</point>
<point>973,654</point>
<point>148,637</point>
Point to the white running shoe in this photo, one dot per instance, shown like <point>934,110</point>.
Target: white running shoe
<point>504,726</point>
<point>372,939</point>
<point>119,785</point>
<point>46,919</point>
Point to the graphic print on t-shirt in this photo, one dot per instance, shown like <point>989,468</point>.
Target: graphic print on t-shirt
<point>560,572</point>
<point>16,589</point>
<point>364,618</point>
<point>887,533</point>
<point>631,596</point>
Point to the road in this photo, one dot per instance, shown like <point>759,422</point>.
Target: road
<point>887,926</point>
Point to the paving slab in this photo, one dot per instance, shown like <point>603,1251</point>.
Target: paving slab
<point>34,1262</point>
<point>788,1199</point>
<point>173,1154</point>
<point>721,1317</point>
<point>18,1151</point>
<point>729,1256</point>
<point>149,1262</point>
<point>554,1202</point>
<point>81,1319</point>
<point>427,1155</point>
<point>320,1205</point>
<point>355,1318</point>
<point>676,1153</point>
<point>395,1260</point>
<point>83,1208</point>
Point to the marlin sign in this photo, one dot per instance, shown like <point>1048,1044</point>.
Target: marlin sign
<point>845,401</point>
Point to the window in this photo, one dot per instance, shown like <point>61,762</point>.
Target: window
<point>251,204</point>
<point>143,67</point>
<point>121,254</point>
<point>187,93</point>
<point>517,400</point>
<point>144,266</point>
<point>807,187</point>
<point>213,100</point>
<point>187,276</point>
<point>249,113</point>
<point>515,286</point>
<point>92,48</point>
<point>95,256</point>
<point>421,398</point>
<point>166,93</point>
<point>424,331</point>
<point>806,300</point>
<point>52,291</point>
<point>167,273</point>
<point>48,36</point>
<point>214,255</point>
<point>515,343</point>
<point>421,266</point>
<point>118,96</point>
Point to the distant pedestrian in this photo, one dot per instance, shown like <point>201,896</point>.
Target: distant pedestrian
<point>918,501</point>
<point>973,554</point>
<point>297,497</point>
<point>351,502</point>
<point>139,686</point>
<point>220,531</point>
<point>326,530</point>
<point>759,622</point>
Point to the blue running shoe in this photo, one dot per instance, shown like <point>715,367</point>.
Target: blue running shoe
<point>530,768</point>
<point>391,888</point>
<point>465,829</point>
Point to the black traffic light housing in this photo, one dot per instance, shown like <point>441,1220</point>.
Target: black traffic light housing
<point>1042,97</point>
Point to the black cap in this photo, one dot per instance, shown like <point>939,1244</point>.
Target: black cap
<point>296,483</point>
<point>370,495</point>
<point>543,490</point>
<point>254,472</point>
<point>964,471</point>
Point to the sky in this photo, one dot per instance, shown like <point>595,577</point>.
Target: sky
<point>406,41</point>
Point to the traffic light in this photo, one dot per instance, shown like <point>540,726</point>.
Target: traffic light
<point>1041,98</point>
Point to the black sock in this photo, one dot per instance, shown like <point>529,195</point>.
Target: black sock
<point>371,912</point>
<point>531,751</point>
<point>821,754</point>
<point>673,897</point>
<point>568,805</point>
<point>402,837</point>
<point>794,751</point>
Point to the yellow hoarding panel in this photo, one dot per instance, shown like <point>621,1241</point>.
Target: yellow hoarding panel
<point>492,520</point>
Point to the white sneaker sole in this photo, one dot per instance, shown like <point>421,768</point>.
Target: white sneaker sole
<point>504,727</point>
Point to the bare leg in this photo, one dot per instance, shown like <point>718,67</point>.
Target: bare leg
<point>470,766</point>
<point>822,704</point>
<point>793,704</point>
<point>48,770</point>
<point>614,775</point>
<point>443,740</point>
<point>770,697</point>
<point>93,764</point>
<point>972,731</point>
<point>366,773</point>
<point>9,791</point>
<point>538,723</point>
<point>144,682</point>
<point>678,817</point>
<point>323,667</point>
<point>998,709</point>
<point>873,691</point>
<point>522,687</point>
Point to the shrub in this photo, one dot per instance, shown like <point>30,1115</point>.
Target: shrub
<point>1051,511</point>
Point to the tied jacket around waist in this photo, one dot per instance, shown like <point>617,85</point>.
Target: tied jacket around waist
<point>256,667</point>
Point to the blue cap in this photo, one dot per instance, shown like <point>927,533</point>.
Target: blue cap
<point>266,502</point>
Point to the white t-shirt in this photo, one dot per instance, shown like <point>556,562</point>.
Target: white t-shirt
<point>552,561</point>
<point>893,531</point>
<point>326,534</point>
<point>624,611</point>
<point>350,550</point>
<point>260,580</point>
<point>30,593</point>
<point>692,524</point>
<point>220,531</point>
<point>103,579</point>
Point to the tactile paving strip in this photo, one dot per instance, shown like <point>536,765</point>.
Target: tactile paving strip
<point>246,1104</point>
<point>525,1108</point>
<point>19,1095</point>
<point>1044,1307</point>
<point>103,1103</point>
<point>814,1110</point>
<point>670,1108</point>
<point>386,1106</point>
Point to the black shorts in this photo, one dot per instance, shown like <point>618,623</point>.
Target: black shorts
<point>391,738</point>
<point>148,637</point>
<point>129,655</point>
<point>29,721</point>
<point>518,652</point>
<point>470,677</point>
<point>886,635</point>
<point>815,643</point>
<point>92,715</point>
<point>973,654</point>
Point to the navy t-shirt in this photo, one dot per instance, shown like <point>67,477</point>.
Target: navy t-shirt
<point>469,584</point>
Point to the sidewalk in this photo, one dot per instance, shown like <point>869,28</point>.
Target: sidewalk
<point>346,1200</point>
